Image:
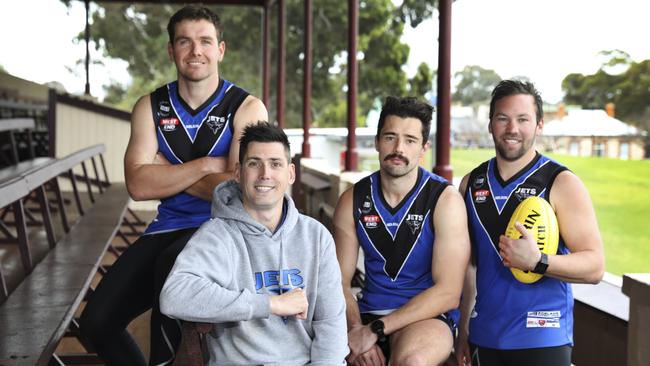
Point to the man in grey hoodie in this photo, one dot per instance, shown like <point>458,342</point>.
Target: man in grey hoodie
<point>267,275</point>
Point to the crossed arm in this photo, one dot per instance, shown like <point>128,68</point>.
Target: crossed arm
<point>150,176</point>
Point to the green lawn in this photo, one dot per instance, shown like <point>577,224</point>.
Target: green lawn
<point>620,191</point>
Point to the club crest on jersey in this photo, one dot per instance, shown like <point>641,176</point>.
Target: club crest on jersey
<point>164,108</point>
<point>370,221</point>
<point>481,195</point>
<point>366,206</point>
<point>169,124</point>
<point>479,181</point>
<point>414,222</point>
<point>215,123</point>
<point>524,192</point>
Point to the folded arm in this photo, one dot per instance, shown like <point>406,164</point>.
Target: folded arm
<point>252,110</point>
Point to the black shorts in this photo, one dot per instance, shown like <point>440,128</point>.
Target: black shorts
<point>556,356</point>
<point>367,318</point>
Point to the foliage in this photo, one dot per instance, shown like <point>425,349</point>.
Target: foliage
<point>421,84</point>
<point>629,90</point>
<point>474,85</point>
<point>619,190</point>
<point>416,11</point>
<point>137,34</point>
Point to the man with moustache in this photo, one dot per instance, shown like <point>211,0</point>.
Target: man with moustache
<point>505,322</point>
<point>179,150</point>
<point>411,225</point>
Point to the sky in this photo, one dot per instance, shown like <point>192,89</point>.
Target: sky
<point>544,40</point>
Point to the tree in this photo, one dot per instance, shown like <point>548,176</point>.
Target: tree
<point>474,85</point>
<point>421,83</point>
<point>629,89</point>
<point>137,34</point>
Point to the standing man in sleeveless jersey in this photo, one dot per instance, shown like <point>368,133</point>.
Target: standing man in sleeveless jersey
<point>506,322</point>
<point>412,227</point>
<point>180,149</point>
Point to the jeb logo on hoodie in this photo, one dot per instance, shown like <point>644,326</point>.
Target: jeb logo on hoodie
<point>270,280</point>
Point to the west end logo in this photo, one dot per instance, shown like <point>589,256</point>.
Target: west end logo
<point>414,222</point>
<point>481,195</point>
<point>524,192</point>
<point>215,123</point>
<point>370,221</point>
<point>169,124</point>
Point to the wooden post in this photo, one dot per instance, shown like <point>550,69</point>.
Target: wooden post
<point>637,287</point>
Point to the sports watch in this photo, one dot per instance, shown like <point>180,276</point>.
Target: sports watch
<point>377,327</point>
<point>542,265</point>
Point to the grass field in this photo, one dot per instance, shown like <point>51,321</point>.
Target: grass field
<point>620,191</point>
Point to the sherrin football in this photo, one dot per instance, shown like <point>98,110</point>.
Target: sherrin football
<point>538,217</point>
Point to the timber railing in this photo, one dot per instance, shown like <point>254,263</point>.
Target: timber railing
<point>40,310</point>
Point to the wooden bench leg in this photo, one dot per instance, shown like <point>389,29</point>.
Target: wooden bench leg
<point>10,237</point>
<point>193,338</point>
<point>61,204</point>
<point>75,191</point>
<point>87,179</point>
<point>47,217</point>
<point>4,293</point>
<point>21,231</point>
<point>99,181</point>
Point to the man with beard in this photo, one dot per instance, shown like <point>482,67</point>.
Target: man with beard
<point>506,322</point>
<point>412,227</point>
<point>179,150</point>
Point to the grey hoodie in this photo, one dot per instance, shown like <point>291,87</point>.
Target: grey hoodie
<point>232,265</point>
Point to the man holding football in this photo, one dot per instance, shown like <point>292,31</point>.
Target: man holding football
<point>504,321</point>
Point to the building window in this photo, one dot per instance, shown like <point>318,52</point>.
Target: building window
<point>599,150</point>
<point>574,148</point>
<point>624,151</point>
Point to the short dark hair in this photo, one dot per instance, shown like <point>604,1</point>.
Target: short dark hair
<point>193,12</point>
<point>506,88</point>
<point>262,131</point>
<point>405,107</point>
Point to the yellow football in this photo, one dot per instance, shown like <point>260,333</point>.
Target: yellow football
<point>538,217</point>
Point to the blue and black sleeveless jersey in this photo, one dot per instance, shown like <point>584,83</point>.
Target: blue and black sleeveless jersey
<point>397,242</point>
<point>185,134</point>
<point>509,314</point>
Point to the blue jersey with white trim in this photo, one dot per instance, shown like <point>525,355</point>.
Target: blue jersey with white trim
<point>397,242</point>
<point>509,314</point>
<point>185,134</point>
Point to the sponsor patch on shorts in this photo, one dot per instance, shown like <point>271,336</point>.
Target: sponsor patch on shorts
<point>543,319</point>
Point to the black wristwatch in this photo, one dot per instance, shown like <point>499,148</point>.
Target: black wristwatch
<point>542,265</point>
<point>377,327</point>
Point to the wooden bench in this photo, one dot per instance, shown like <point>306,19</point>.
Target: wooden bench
<point>12,125</point>
<point>40,311</point>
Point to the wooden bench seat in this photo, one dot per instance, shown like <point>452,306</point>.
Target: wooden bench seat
<point>38,312</point>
